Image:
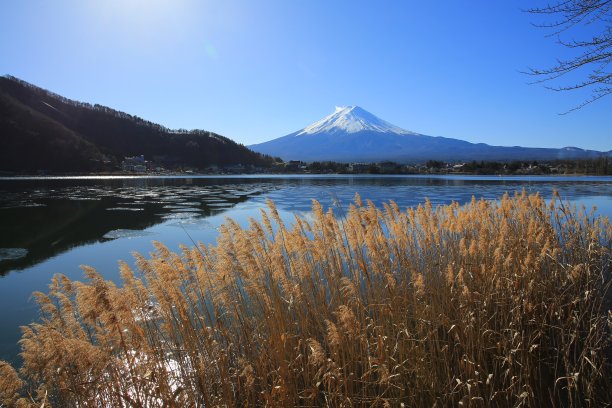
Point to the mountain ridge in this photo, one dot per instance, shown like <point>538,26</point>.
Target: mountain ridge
<point>353,134</point>
<point>43,131</point>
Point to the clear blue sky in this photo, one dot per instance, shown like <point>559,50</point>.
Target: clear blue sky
<point>257,70</point>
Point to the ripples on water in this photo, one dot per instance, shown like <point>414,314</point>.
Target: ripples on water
<point>42,217</point>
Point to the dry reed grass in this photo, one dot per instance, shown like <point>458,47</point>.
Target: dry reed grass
<point>496,303</point>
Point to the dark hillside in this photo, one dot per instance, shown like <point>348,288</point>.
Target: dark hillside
<point>40,130</point>
<point>32,141</point>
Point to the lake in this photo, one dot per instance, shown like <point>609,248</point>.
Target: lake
<point>52,225</point>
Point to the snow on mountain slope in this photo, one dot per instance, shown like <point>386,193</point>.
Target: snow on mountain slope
<point>351,119</point>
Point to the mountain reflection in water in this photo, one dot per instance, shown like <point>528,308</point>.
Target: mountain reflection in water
<point>41,219</point>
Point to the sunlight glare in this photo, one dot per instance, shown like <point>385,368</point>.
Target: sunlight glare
<point>142,19</point>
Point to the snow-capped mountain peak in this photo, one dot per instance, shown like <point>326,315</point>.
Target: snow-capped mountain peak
<point>351,134</point>
<point>351,119</point>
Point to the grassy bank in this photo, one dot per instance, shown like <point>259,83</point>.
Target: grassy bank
<point>496,303</point>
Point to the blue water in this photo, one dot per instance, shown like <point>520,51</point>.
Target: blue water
<point>54,224</point>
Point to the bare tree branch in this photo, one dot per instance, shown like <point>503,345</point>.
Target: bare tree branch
<point>596,52</point>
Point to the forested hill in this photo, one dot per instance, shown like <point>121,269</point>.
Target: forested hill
<point>40,130</point>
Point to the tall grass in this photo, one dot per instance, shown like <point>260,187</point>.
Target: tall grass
<point>496,303</point>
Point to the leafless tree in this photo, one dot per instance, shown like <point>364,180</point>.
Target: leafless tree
<point>593,58</point>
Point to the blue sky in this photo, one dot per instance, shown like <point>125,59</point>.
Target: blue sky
<point>257,70</point>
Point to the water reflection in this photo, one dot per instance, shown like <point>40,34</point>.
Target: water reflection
<point>43,217</point>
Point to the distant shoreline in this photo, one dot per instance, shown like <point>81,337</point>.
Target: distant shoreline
<point>119,176</point>
<point>595,167</point>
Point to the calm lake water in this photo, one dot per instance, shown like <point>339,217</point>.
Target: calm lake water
<point>53,225</point>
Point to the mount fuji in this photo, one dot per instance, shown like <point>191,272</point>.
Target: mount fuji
<point>352,134</point>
